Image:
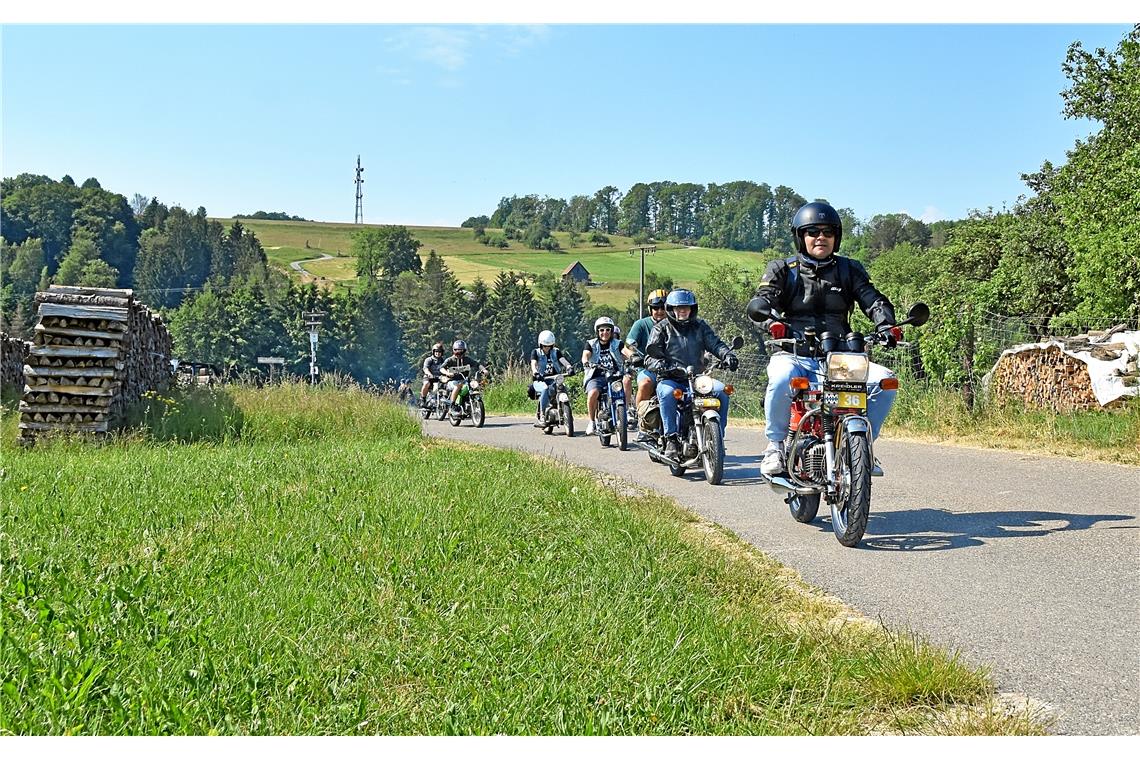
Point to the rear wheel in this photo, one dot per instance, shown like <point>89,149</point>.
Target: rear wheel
<point>478,413</point>
<point>567,418</point>
<point>622,429</point>
<point>803,506</point>
<point>713,455</point>
<point>850,512</point>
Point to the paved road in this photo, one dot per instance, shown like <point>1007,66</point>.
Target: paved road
<point>1028,565</point>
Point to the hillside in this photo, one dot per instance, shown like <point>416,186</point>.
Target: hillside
<point>614,270</point>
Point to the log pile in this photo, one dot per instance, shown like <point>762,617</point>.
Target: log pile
<point>12,354</point>
<point>1058,374</point>
<point>95,352</point>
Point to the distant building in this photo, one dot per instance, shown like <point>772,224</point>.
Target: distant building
<point>576,272</point>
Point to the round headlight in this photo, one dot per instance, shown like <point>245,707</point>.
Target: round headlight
<point>615,386</point>
<point>474,385</point>
<point>704,385</point>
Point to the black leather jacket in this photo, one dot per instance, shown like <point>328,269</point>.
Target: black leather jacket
<point>821,295</point>
<point>672,348</point>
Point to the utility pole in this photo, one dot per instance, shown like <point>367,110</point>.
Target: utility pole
<point>359,192</point>
<point>313,323</point>
<point>650,249</point>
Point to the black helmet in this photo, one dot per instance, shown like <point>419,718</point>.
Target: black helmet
<point>815,213</point>
<point>459,346</point>
<point>680,297</point>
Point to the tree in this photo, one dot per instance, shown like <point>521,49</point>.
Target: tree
<point>606,204</point>
<point>385,251</point>
<point>82,265</point>
<point>1096,191</point>
<point>476,221</point>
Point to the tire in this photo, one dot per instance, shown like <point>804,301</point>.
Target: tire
<point>425,412</point>
<point>455,419</point>
<point>478,413</point>
<point>849,514</point>
<point>622,431</point>
<point>676,470</point>
<point>803,507</point>
<point>713,455</point>
<point>568,418</point>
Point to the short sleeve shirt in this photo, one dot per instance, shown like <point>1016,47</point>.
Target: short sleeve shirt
<point>639,334</point>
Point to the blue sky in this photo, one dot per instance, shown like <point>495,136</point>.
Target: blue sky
<point>933,120</point>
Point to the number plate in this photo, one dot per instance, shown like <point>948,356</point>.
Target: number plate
<point>850,400</point>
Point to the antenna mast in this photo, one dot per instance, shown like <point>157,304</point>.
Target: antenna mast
<point>359,192</point>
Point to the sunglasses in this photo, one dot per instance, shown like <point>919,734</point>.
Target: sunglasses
<point>605,329</point>
<point>828,232</point>
<point>657,307</point>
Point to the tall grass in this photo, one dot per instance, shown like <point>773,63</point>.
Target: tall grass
<point>316,566</point>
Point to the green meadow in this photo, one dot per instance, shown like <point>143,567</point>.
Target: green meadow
<point>614,271</point>
<point>298,560</point>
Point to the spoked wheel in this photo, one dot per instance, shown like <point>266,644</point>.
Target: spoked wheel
<point>803,506</point>
<point>713,455</point>
<point>622,429</point>
<point>850,512</point>
<point>455,417</point>
<point>478,413</point>
<point>603,438</point>
<point>568,418</point>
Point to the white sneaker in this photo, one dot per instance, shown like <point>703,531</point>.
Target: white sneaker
<point>590,427</point>
<point>773,461</point>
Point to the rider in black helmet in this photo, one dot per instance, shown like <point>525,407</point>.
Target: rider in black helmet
<point>814,289</point>
<point>457,364</point>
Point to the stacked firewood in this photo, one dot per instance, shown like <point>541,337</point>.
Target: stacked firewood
<point>1045,376</point>
<point>12,354</point>
<point>95,352</point>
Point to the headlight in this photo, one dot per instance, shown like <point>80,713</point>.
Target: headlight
<point>475,385</point>
<point>616,386</point>
<point>704,385</point>
<point>847,368</point>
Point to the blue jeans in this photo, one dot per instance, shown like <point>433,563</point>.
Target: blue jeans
<point>778,398</point>
<point>669,416</point>
<point>544,391</point>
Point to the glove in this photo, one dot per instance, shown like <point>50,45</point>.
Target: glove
<point>569,372</point>
<point>894,335</point>
<point>778,330</point>
<point>731,360</point>
<point>637,361</point>
<point>538,376</point>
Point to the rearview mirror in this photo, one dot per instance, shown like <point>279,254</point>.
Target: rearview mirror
<point>737,342</point>
<point>918,315</point>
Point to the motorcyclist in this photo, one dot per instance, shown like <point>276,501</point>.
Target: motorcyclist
<point>815,289</point>
<point>634,350</point>
<point>678,342</point>
<point>602,357</point>
<point>459,358</point>
<point>431,367</point>
<point>547,360</point>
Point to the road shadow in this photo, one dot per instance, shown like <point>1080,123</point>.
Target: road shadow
<point>928,529</point>
<point>741,470</point>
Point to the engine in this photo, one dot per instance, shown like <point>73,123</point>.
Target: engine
<point>809,460</point>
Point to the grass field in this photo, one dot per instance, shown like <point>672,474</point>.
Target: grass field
<point>612,268</point>
<point>293,560</point>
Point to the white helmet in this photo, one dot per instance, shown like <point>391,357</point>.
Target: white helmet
<point>546,338</point>
<point>602,322</point>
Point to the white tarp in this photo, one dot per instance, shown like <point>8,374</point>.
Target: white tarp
<point>1107,383</point>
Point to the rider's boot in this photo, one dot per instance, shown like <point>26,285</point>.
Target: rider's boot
<point>673,447</point>
<point>877,469</point>
<point>773,461</point>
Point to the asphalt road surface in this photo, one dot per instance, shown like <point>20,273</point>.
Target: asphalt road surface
<point>1025,564</point>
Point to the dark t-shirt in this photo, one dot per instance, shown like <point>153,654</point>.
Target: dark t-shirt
<point>548,364</point>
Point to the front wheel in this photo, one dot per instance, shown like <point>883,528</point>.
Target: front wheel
<point>478,413</point>
<point>850,512</point>
<point>622,431</point>
<point>713,455</point>
<point>567,418</point>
